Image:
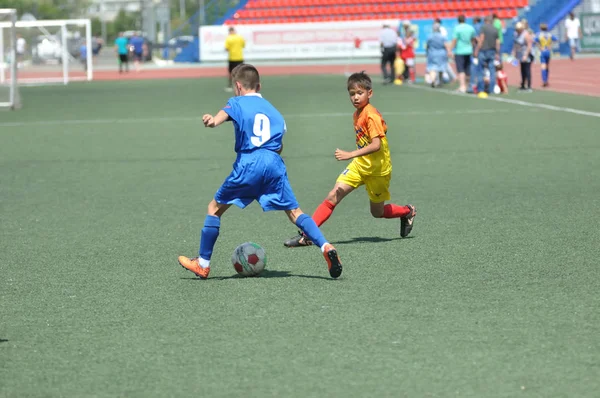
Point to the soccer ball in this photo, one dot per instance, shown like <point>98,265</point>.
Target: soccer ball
<point>497,89</point>
<point>249,259</point>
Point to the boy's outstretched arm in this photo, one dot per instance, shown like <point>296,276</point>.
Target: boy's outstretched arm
<point>214,121</point>
<point>372,147</point>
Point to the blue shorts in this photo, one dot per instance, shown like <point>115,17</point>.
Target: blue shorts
<point>258,175</point>
<point>545,57</point>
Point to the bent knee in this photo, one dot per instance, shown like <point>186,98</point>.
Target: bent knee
<point>377,213</point>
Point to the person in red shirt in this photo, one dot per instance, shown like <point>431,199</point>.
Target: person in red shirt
<point>407,53</point>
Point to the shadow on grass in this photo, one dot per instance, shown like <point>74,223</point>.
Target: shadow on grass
<point>267,274</point>
<point>3,340</point>
<point>368,239</point>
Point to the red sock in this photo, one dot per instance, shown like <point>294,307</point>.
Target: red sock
<point>411,72</point>
<point>323,212</point>
<point>395,211</point>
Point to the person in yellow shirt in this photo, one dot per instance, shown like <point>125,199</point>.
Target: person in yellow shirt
<point>371,165</point>
<point>234,45</point>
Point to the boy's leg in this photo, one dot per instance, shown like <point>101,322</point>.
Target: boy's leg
<point>210,232</point>
<point>378,190</point>
<point>545,60</point>
<point>347,181</point>
<point>308,226</point>
<point>321,214</point>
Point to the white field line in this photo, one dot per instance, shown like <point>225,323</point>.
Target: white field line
<point>513,101</point>
<point>199,118</point>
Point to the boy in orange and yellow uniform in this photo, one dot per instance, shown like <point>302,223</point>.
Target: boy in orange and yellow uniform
<point>371,165</point>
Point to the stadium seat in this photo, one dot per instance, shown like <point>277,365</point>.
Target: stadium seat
<point>295,11</point>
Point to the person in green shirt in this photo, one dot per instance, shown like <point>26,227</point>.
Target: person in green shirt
<point>498,26</point>
<point>121,47</point>
<point>462,44</point>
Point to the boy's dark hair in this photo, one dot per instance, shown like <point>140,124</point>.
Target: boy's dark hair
<point>360,79</point>
<point>543,27</point>
<point>476,19</point>
<point>461,18</point>
<point>247,75</point>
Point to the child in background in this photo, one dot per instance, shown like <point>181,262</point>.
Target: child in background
<point>544,40</point>
<point>501,78</point>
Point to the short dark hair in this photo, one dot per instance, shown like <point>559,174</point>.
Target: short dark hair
<point>477,19</point>
<point>247,75</point>
<point>360,79</point>
<point>544,27</point>
<point>461,18</point>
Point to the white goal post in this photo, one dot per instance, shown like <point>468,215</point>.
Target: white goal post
<point>52,51</point>
<point>9,96</point>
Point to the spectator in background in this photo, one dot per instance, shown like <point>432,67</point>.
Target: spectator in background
<point>545,40</point>
<point>522,51</point>
<point>498,26</point>
<point>122,49</point>
<point>477,24</point>
<point>443,30</point>
<point>437,56</point>
<point>407,53</point>
<point>83,55</point>
<point>462,44</point>
<point>486,53</point>
<point>97,44</point>
<point>234,45</point>
<point>573,27</point>
<point>137,42</point>
<point>388,41</point>
<point>20,49</point>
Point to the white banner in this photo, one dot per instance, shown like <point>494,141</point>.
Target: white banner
<point>296,41</point>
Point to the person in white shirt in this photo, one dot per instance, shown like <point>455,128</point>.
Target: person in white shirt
<point>573,27</point>
<point>388,40</point>
<point>20,47</point>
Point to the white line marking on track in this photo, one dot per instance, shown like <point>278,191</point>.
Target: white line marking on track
<point>199,118</point>
<point>514,102</point>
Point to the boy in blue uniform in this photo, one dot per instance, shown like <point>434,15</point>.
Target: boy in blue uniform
<point>544,40</point>
<point>258,172</point>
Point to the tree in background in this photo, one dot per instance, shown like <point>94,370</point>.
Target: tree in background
<point>49,9</point>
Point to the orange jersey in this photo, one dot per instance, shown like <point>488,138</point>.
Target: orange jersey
<point>369,124</point>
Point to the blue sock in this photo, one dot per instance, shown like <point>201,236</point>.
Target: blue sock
<point>308,226</point>
<point>209,236</point>
<point>545,75</point>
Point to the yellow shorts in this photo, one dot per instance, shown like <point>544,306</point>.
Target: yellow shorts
<point>378,187</point>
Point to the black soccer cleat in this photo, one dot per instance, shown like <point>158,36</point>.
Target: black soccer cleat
<point>298,240</point>
<point>406,223</point>
<point>333,261</point>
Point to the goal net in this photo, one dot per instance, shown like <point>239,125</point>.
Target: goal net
<point>9,93</point>
<point>51,51</point>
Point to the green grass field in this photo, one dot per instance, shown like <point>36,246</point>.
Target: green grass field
<point>495,293</point>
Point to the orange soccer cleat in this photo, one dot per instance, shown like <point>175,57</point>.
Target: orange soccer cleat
<point>333,261</point>
<point>191,264</point>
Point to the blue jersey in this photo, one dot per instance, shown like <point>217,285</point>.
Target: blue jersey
<point>138,43</point>
<point>257,123</point>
